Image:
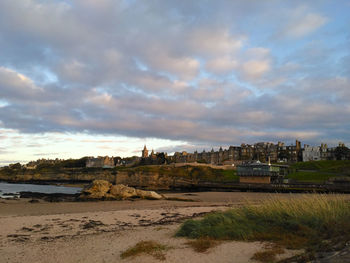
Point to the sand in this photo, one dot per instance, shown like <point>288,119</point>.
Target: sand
<point>101,231</point>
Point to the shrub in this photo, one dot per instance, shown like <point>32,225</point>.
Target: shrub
<point>295,223</point>
<point>146,247</point>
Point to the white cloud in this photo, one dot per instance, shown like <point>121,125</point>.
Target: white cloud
<point>221,65</point>
<point>214,42</point>
<point>254,69</point>
<point>304,24</point>
<point>182,67</point>
<point>16,85</point>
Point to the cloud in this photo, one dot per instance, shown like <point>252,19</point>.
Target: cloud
<point>173,70</point>
<point>222,65</point>
<point>305,25</point>
<point>16,85</point>
<point>253,69</point>
<point>214,42</point>
<point>301,21</point>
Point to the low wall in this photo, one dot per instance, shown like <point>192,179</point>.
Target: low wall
<point>255,179</point>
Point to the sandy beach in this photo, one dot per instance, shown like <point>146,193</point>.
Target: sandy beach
<point>101,231</point>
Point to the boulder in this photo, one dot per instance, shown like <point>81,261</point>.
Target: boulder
<point>97,190</point>
<point>122,191</point>
<point>104,190</point>
<point>148,194</point>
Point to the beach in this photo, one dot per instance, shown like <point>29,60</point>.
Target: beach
<point>100,231</point>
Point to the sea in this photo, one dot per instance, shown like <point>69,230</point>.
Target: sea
<point>10,190</point>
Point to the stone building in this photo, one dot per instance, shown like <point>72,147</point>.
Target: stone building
<point>311,153</point>
<point>247,152</point>
<point>291,153</point>
<point>262,151</point>
<point>100,162</point>
<point>144,152</point>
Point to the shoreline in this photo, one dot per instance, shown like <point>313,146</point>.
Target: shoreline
<point>212,187</point>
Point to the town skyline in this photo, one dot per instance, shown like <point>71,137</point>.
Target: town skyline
<point>88,78</point>
<point>258,151</point>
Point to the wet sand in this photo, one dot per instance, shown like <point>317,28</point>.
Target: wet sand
<point>100,231</point>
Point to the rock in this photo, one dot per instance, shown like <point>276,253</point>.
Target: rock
<point>148,194</point>
<point>98,189</point>
<point>122,191</point>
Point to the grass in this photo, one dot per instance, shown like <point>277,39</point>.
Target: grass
<point>310,176</point>
<point>202,244</point>
<point>319,171</point>
<point>268,255</point>
<point>146,247</point>
<point>302,223</point>
<point>230,176</point>
<point>341,167</point>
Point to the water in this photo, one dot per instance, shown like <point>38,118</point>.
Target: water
<point>14,189</point>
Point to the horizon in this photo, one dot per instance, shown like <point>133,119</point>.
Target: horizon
<point>216,149</point>
<point>96,78</point>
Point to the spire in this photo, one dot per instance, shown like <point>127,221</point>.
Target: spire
<point>144,152</point>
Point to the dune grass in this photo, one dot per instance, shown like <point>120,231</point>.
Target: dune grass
<point>146,247</point>
<point>297,223</point>
<point>202,244</point>
<point>269,254</point>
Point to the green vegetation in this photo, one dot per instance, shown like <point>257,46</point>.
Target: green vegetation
<point>319,171</point>
<point>230,176</point>
<point>146,247</point>
<point>268,255</point>
<point>202,244</point>
<point>324,166</point>
<point>305,222</point>
<point>310,176</point>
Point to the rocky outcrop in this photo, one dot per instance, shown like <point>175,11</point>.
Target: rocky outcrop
<point>123,191</point>
<point>98,189</point>
<point>148,194</point>
<point>103,190</point>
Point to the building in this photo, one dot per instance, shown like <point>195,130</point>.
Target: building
<point>100,162</point>
<point>312,153</point>
<point>291,153</point>
<point>144,152</point>
<point>258,173</point>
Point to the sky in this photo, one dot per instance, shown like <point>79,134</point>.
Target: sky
<point>105,77</point>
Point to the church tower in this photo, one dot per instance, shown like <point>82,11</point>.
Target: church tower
<point>144,152</point>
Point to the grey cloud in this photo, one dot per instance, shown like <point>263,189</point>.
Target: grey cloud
<point>164,69</point>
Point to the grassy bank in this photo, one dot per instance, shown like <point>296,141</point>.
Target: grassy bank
<point>310,176</point>
<point>320,171</point>
<point>313,222</point>
<point>342,167</point>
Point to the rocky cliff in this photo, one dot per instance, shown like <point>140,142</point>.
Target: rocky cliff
<point>148,177</point>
